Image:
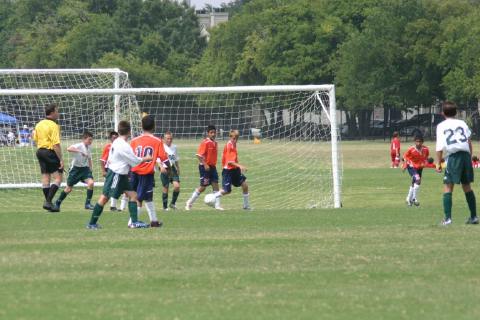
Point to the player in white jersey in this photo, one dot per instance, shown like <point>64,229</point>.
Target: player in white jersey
<point>80,170</point>
<point>454,144</point>
<point>173,173</point>
<point>120,160</point>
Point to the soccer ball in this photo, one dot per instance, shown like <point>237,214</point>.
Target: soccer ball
<point>209,200</point>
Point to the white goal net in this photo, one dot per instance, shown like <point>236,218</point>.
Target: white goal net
<point>288,135</point>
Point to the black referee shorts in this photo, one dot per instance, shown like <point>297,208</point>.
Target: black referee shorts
<point>48,160</point>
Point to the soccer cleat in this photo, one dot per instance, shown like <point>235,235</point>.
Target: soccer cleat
<point>446,222</point>
<point>165,209</point>
<point>247,208</point>
<point>408,202</point>
<point>114,209</point>
<point>55,208</point>
<point>188,206</point>
<point>58,204</point>
<point>88,206</point>
<point>94,226</point>
<point>415,202</point>
<point>172,206</point>
<point>47,205</point>
<point>219,208</point>
<point>473,220</point>
<point>138,225</point>
<point>156,224</point>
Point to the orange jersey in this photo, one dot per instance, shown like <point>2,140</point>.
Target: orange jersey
<point>208,152</point>
<point>106,151</point>
<point>416,158</point>
<point>144,145</point>
<point>229,154</point>
<point>395,145</point>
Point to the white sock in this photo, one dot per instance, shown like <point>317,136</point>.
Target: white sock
<point>217,199</point>
<point>113,202</point>
<point>139,211</point>
<point>123,203</point>
<point>151,211</point>
<point>410,194</point>
<point>194,197</point>
<point>246,202</point>
<point>217,194</point>
<point>416,188</point>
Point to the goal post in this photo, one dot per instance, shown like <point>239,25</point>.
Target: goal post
<point>289,139</point>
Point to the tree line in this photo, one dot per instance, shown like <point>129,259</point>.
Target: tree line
<point>391,53</point>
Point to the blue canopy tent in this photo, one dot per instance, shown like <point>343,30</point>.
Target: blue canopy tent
<point>7,119</point>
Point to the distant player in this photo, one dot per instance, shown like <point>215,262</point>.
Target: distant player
<point>475,162</point>
<point>232,173</point>
<point>120,160</point>
<point>454,144</point>
<point>49,154</point>
<point>172,175</point>
<point>430,163</point>
<point>207,158</point>
<point>395,150</point>
<point>104,164</point>
<point>142,177</point>
<point>80,170</point>
<point>415,159</point>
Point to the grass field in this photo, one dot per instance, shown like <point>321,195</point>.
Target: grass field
<point>373,259</point>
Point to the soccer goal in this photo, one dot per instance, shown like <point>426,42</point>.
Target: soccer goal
<point>288,134</point>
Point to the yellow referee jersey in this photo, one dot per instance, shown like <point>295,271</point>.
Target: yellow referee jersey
<point>47,134</point>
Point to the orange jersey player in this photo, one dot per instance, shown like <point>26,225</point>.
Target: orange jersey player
<point>233,171</point>
<point>415,159</point>
<point>395,150</point>
<point>207,157</point>
<point>142,176</point>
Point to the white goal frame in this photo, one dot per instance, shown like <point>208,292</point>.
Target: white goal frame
<point>116,93</point>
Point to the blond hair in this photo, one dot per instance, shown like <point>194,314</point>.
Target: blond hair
<point>234,133</point>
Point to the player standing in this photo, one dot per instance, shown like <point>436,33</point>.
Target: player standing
<point>49,154</point>
<point>232,173</point>
<point>80,170</point>
<point>395,150</point>
<point>454,144</point>
<point>142,177</point>
<point>172,175</point>
<point>207,158</point>
<point>104,164</point>
<point>415,159</point>
<point>120,160</point>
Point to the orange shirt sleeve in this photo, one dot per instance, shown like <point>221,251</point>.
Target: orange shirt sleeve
<point>105,152</point>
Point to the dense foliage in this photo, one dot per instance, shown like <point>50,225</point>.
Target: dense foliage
<point>392,53</point>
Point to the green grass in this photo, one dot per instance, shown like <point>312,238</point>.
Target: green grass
<point>372,259</point>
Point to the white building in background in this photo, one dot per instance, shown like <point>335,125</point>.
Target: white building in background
<point>208,20</point>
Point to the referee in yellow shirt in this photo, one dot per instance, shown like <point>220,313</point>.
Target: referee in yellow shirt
<point>49,154</point>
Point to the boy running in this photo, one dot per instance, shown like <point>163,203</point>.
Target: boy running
<point>143,175</point>
<point>80,170</point>
<point>172,175</point>
<point>120,160</point>
<point>415,159</point>
<point>232,173</point>
<point>454,144</point>
<point>104,164</point>
<point>207,158</point>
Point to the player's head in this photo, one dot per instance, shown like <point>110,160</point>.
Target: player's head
<point>112,135</point>
<point>475,158</point>
<point>87,138</point>
<point>211,131</point>
<point>168,136</point>
<point>148,123</point>
<point>430,160</point>
<point>51,111</point>
<point>395,134</point>
<point>124,128</point>
<point>234,134</point>
<point>418,140</point>
<point>449,109</point>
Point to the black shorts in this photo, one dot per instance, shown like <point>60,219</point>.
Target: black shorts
<point>48,160</point>
<point>232,177</point>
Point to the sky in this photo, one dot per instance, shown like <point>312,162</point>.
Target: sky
<point>199,4</point>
